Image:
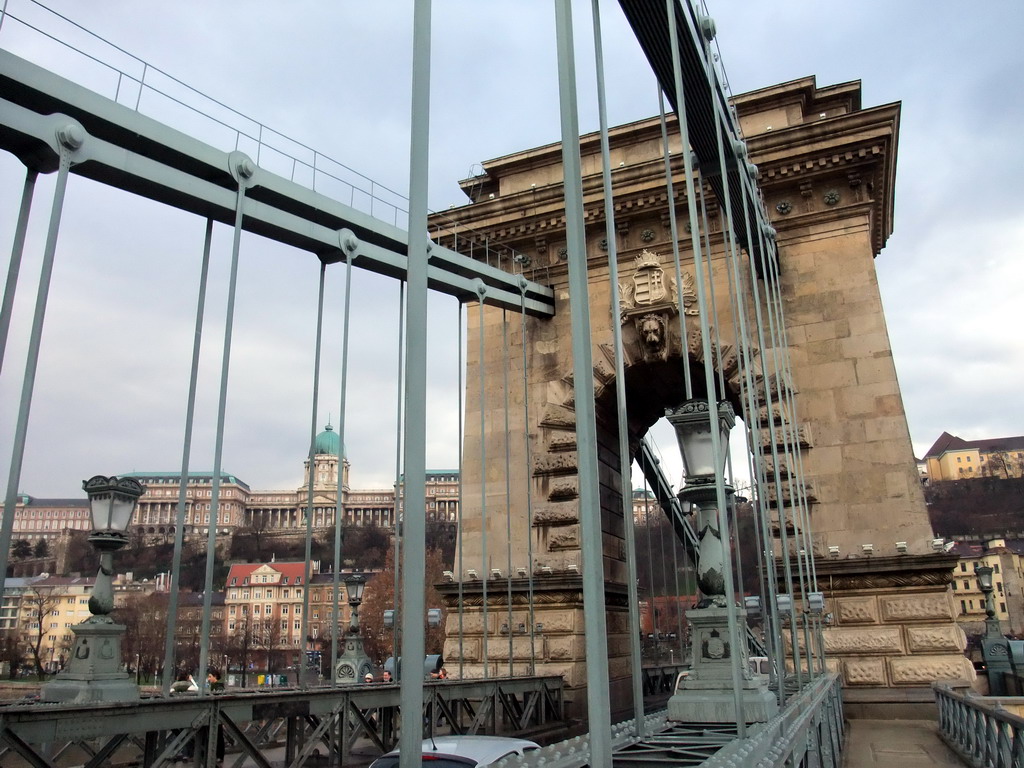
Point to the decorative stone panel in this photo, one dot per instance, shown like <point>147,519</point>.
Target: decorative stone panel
<point>567,537</point>
<point>563,490</point>
<point>562,441</point>
<point>557,621</point>
<point>936,638</point>
<point>916,608</point>
<point>924,670</point>
<point>560,463</point>
<point>564,513</point>
<point>864,672</point>
<point>876,640</point>
<point>857,610</point>
<point>561,648</point>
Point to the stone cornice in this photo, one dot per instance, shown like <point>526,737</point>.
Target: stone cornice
<point>556,589</point>
<point>885,572</point>
<point>862,144</point>
<point>803,91</point>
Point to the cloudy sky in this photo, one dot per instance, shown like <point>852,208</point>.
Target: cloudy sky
<point>113,377</point>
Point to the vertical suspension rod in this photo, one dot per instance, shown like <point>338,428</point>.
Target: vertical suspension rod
<point>594,619</point>
<point>622,418</point>
<point>186,452</point>
<point>481,290</point>
<point>674,232</point>
<point>310,481</point>
<point>508,492</point>
<point>527,464</point>
<point>414,560</point>
<point>17,249</point>
<point>339,505</point>
<point>460,570</point>
<point>759,325</point>
<point>401,491</point>
<point>242,170</point>
<point>70,139</point>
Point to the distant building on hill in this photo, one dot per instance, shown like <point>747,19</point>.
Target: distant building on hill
<point>953,458</point>
<point>239,506</point>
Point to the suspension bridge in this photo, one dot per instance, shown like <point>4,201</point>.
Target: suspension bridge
<point>644,272</point>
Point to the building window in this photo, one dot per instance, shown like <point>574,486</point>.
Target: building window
<point>967,585</point>
<point>954,586</point>
<point>1002,607</point>
<point>963,606</point>
<point>995,568</point>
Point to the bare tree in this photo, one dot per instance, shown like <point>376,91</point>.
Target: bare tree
<point>145,619</point>
<point>241,643</point>
<point>380,596</point>
<point>37,604</point>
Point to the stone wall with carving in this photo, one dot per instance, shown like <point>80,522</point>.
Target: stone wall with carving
<point>895,625</point>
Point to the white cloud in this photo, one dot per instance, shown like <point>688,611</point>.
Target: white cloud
<point>112,384</point>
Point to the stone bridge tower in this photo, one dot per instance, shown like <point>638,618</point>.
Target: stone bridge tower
<point>827,170</point>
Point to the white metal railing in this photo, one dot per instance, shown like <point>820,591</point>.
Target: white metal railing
<point>809,731</point>
<point>979,729</point>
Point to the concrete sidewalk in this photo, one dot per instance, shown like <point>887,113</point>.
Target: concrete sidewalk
<point>895,744</point>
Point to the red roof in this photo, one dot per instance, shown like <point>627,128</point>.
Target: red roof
<point>291,573</point>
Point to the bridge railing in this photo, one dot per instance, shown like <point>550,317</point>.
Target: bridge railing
<point>981,730</point>
<point>261,724</point>
<point>807,732</point>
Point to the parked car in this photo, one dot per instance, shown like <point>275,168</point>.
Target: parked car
<point>462,751</point>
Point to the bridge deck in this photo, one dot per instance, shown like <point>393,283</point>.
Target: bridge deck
<point>871,743</point>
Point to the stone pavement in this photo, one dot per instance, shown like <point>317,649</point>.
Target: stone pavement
<point>895,744</point>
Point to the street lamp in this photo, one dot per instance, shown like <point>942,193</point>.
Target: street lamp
<point>984,575</point>
<point>94,671</point>
<point>699,426</point>
<point>693,422</point>
<point>353,664</point>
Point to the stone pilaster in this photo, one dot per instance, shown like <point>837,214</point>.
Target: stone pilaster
<point>557,644</point>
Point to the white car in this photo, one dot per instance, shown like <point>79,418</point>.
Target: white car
<point>462,751</point>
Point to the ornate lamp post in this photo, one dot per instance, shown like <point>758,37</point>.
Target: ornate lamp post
<point>707,695</point>
<point>693,423</point>
<point>995,649</point>
<point>94,671</point>
<point>353,664</point>
<point>984,574</point>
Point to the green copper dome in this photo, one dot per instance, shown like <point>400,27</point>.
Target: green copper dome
<point>327,442</point>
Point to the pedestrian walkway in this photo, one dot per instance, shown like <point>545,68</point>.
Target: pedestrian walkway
<point>895,744</point>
